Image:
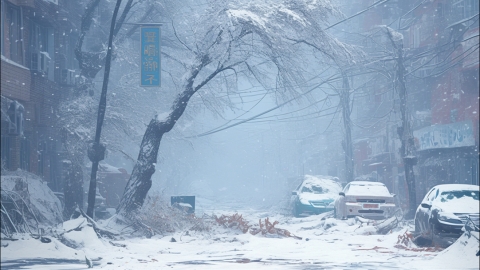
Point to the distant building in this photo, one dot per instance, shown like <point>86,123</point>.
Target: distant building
<point>111,183</point>
<point>441,57</point>
<point>37,70</point>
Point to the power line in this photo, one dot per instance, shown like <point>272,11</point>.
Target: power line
<point>358,13</point>
<point>265,112</point>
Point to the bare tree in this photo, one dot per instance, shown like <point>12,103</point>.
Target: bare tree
<point>233,40</point>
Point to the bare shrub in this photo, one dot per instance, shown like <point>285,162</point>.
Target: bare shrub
<point>157,215</point>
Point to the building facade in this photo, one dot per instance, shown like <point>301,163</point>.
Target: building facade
<point>440,42</point>
<point>37,71</point>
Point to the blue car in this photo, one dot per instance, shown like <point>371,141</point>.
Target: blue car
<point>315,195</point>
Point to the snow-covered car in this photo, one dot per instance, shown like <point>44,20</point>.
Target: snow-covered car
<point>315,195</point>
<point>445,210</point>
<point>370,200</point>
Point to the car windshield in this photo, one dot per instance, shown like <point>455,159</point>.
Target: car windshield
<point>458,194</point>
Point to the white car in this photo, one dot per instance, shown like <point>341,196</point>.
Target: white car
<point>366,199</point>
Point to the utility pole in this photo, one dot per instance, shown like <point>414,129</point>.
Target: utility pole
<point>96,151</point>
<point>347,141</point>
<point>407,149</point>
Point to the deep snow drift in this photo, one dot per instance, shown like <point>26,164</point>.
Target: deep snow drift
<point>325,243</point>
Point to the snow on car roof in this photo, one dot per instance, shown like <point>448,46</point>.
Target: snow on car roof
<point>445,187</point>
<point>328,183</point>
<point>366,188</point>
<point>366,183</point>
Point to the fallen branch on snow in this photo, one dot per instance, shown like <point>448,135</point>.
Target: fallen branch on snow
<point>99,231</point>
<point>266,228</point>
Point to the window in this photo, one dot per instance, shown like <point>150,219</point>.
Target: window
<point>439,10</point>
<point>430,195</point>
<point>25,154</point>
<point>2,19</point>
<point>416,36</point>
<point>67,61</point>
<point>470,8</point>
<point>346,188</point>
<point>5,147</point>
<point>457,194</point>
<point>42,152</point>
<point>464,9</point>
<point>42,49</point>
<point>15,39</point>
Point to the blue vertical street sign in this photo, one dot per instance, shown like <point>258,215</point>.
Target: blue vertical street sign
<point>150,55</point>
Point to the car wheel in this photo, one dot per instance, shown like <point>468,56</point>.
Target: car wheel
<point>295,211</point>
<point>432,233</point>
<point>417,226</point>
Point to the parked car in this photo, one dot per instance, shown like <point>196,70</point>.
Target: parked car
<point>370,200</point>
<point>445,210</point>
<point>315,195</point>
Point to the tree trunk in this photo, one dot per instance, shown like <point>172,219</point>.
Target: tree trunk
<point>347,143</point>
<point>141,178</point>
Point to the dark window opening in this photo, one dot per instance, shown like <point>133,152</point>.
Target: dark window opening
<point>5,148</point>
<point>25,154</point>
<point>15,34</point>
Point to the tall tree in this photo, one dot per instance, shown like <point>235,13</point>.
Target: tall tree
<point>241,39</point>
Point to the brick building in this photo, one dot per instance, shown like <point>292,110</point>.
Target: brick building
<point>447,144</point>
<point>440,40</point>
<point>37,71</point>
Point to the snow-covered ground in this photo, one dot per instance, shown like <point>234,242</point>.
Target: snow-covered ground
<point>327,243</point>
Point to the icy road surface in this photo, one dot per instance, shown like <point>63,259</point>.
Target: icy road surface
<point>325,244</point>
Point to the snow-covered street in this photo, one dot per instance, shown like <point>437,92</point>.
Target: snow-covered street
<point>326,243</point>
<point>239,134</point>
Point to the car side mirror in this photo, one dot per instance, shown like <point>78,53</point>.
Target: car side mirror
<point>294,193</point>
<point>426,205</point>
<point>393,195</point>
<point>341,193</point>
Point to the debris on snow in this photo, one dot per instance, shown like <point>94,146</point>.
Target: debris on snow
<point>265,228</point>
<point>234,221</point>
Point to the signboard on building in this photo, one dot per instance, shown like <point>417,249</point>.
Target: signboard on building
<point>150,56</point>
<point>445,136</point>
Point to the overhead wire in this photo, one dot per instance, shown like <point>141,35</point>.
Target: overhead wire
<point>218,129</point>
